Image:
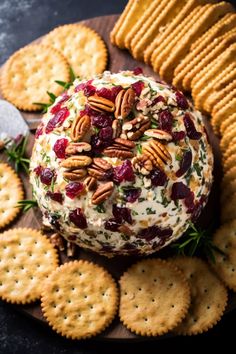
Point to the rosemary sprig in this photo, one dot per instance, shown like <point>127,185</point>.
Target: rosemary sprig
<point>197,241</point>
<point>26,204</point>
<point>16,153</point>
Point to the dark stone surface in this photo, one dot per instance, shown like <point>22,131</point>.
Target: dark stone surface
<point>22,21</point>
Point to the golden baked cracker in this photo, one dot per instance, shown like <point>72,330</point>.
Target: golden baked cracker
<point>230,162</point>
<point>231,95</point>
<point>133,14</point>
<point>227,122</point>
<point>218,46</point>
<point>228,210</point>
<point>11,192</point>
<point>230,149</point>
<point>120,21</point>
<point>154,297</point>
<point>208,296</point>
<point>221,27</point>
<point>82,47</point>
<point>203,82</point>
<point>160,17</point>
<point>79,300</point>
<point>217,96</point>
<point>165,48</point>
<point>30,72</point>
<point>225,265</point>
<point>147,17</point>
<point>229,176</point>
<point>229,135</point>
<point>225,24</point>
<point>211,15</point>
<point>227,190</point>
<point>223,112</point>
<point>180,16</point>
<point>27,259</point>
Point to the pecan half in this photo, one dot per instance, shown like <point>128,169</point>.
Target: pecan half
<point>143,164</point>
<point>124,229</point>
<point>157,153</point>
<point>158,134</point>
<point>75,175</point>
<point>103,192</point>
<point>73,162</point>
<point>121,148</point>
<point>99,169</point>
<point>76,148</point>
<point>135,128</point>
<point>116,128</point>
<point>90,183</point>
<point>124,103</point>
<point>101,104</point>
<point>57,241</point>
<point>80,127</point>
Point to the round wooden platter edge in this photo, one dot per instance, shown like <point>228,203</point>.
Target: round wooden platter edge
<point>117,60</point>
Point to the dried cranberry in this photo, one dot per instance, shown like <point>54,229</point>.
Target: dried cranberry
<point>124,172</point>
<point>88,111</point>
<point>180,191</point>
<point>55,108</point>
<point>121,214</point>
<point>112,225</point>
<point>97,144</point>
<point>190,128</point>
<point>158,99</point>
<point>158,177</point>
<point>46,176</point>
<point>39,131</point>
<point>38,170</point>
<point>78,218</point>
<point>185,163</point>
<point>198,208</point>
<point>73,189</point>
<point>138,70</point>
<point>102,120</point>
<point>154,231</point>
<point>165,120</point>
<point>189,202</point>
<point>181,100</point>
<point>72,238</point>
<point>57,119</point>
<point>57,196</point>
<point>106,134</point>
<point>138,86</point>
<point>60,147</point>
<point>132,194</point>
<point>176,136</point>
<point>132,250</point>
<point>114,92</point>
<point>87,87</point>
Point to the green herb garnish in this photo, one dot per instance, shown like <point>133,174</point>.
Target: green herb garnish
<point>26,204</point>
<point>150,211</point>
<point>139,148</point>
<point>16,153</point>
<point>100,208</point>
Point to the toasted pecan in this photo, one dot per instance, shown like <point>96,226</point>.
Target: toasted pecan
<point>102,193</point>
<point>101,104</point>
<point>80,127</point>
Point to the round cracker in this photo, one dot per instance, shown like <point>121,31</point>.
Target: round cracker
<point>229,134</point>
<point>26,259</point>
<point>227,122</point>
<point>225,265</point>
<point>229,162</point>
<point>30,72</point>
<point>154,297</point>
<point>208,296</point>
<point>11,192</point>
<point>83,48</point>
<point>79,299</point>
<point>228,210</point>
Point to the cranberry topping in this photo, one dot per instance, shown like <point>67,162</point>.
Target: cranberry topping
<point>121,214</point>
<point>78,218</point>
<point>185,163</point>
<point>158,177</point>
<point>60,147</point>
<point>105,134</point>
<point>176,136</point>
<point>138,70</point>
<point>132,194</point>
<point>190,128</point>
<point>165,120</point>
<point>138,86</point>
<point>124,172</point>
<point>158,99</point>
<point>154,231</point>
<point>57,196</point>
<point>179,191</point>
<point>73,189</point>
<point>181,100</point>
<point>46,176</point>
<point>38,170</point>
<point>39,131</point>
<point>189,202</point>
<point>112,225</point>
<point>87,87</point>
<point>57,119</point>
<point>109,94</point>
<point>102,120</point>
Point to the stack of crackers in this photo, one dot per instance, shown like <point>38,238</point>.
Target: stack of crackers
<point>31,72</point>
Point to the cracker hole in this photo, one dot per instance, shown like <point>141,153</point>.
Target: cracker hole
<point>73,289</point>
<point>205,290</point>
<point>69,301</point>
<point>153,300</point>
<point>126,293</point>
<point>233,269</point>
<point>85,296</point>
<point>208,307</point>
<point>145,319</point>
<point>136,306</point>
<point>155,280</point>
<point>172,306</point>
<point>139,289</point>
<point>143,271</point>
<point>91,307</point>
<point>191,276</point>
<point>65,317</point>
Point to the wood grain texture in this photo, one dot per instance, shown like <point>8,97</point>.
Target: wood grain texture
<point>118,60</point>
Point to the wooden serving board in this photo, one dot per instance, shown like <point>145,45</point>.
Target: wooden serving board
<point>118,60</point>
